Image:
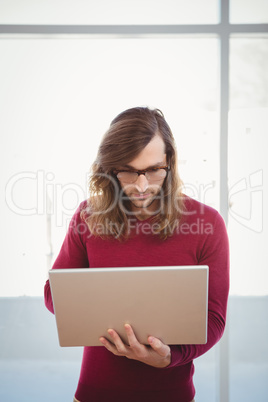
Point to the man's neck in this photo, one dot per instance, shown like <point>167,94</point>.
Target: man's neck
<point>144,213</point>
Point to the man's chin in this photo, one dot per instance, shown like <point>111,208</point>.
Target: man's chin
<point>142,203</point>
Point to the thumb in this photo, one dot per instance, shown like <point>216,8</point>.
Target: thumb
<point>158,346</point>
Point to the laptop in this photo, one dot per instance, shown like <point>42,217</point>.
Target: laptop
<point>169,303</point>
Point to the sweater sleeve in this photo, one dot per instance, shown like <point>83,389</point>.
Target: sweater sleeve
<point>73,253</point>
<point>215,254</point>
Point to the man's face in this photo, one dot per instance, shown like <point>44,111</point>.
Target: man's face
<point>142,193</point>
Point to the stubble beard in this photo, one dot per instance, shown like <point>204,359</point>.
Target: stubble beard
<point>144,204</point>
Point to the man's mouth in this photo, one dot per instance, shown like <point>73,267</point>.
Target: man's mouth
<point>140,196</point>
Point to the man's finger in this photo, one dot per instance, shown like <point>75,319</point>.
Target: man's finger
<point>132,340</point>
<point>119,344</point>
<point>158,346</point>
<point>107,344</point>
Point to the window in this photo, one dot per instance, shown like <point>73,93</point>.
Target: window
<point>101,12</point>
<point>248,11</point>
<point>248,124</point>
<point>74,88</point>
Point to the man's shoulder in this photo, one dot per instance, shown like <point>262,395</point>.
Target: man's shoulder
<point>201,219</point>
<point>84,205</point>
<point>195,208</point>
<point>81,212</point>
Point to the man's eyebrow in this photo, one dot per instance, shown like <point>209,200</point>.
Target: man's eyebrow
<point>149,167</point>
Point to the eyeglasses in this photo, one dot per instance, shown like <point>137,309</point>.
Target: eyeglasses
<point>153,175</point>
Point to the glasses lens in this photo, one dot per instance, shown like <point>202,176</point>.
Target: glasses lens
<point>156,175</point>
<point>127,177</point>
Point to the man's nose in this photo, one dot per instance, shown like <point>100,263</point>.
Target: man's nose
<point>141,183</point>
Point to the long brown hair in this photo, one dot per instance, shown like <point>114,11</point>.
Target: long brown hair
<point>127,136</point>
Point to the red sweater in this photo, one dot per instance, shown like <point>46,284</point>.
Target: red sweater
<point>200,239</point>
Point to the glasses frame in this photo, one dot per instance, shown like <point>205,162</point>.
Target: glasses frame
<point>139,172</point>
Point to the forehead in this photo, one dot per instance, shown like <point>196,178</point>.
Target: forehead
<point>152,155</point>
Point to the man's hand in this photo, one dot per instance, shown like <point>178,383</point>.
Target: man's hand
<point>157,354</point>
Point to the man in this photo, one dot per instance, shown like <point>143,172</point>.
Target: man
<point>135,186</point>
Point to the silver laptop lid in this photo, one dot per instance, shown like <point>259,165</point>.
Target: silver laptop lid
<point>169,303</point>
